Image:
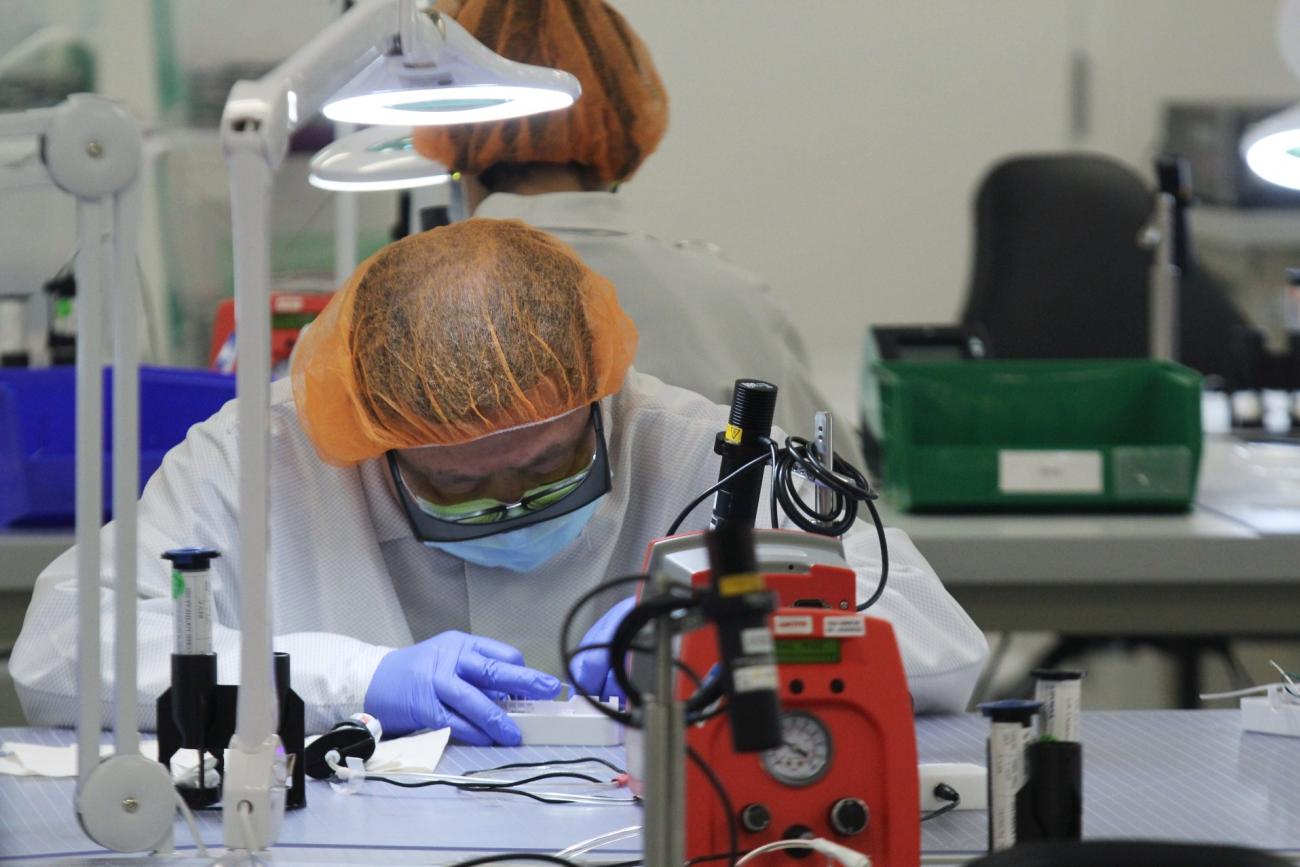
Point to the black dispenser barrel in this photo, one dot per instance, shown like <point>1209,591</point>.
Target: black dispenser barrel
<point>753,405</point>
<point>739,606</point>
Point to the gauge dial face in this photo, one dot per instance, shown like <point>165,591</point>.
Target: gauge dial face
<point>805,755</point>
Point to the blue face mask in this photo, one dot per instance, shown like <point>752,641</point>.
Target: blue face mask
<point>525,549</point>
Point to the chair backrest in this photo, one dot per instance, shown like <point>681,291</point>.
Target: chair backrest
<point>1127,853</point>
<point>1058,271</point>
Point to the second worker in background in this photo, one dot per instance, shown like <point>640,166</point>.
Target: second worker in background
<point>703,321</point>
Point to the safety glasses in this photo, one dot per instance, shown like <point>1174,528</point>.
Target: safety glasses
<point>458,524</point>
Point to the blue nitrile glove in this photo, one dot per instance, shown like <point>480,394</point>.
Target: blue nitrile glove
<point>591,669</point>
<point>449,680</point>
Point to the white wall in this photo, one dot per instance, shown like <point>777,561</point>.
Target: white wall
<point>1154,51</point>
<point>833,147</point>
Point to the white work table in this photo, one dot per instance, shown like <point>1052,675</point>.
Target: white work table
<point>1230,566</point>
<point>1180,775</point>
<point>1193,574</point>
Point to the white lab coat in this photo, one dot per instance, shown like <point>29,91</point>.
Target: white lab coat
<point>349,582</point>
<point>704,322</point>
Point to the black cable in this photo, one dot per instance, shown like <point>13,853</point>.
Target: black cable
<point>707,694</point>
<point>846,483</point>
<point>943,792</point>
<point>844,511</point>
<point>733,833</point>
<point>631,625</point>
<point>567,656</point>
<point>884,558</point>
<point>716,856</point>
<point>468,787</point>
<point>704,496</point>
<point>556,775</point>
<point>585,760</point>
<point>506,857</point>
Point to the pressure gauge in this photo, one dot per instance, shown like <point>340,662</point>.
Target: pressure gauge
<point>805,754</point>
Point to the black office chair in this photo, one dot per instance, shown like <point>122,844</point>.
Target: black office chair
<point>1058,272</point>
<point>1127,853</point>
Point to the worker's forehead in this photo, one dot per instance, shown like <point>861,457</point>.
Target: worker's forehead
<point>513,448</point>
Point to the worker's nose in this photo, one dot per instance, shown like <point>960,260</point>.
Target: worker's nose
<point>506,487</point>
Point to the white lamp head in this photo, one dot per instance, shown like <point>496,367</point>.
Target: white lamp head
<point>378,158</point>
<point>448,77</point>
<point>1272,148</point>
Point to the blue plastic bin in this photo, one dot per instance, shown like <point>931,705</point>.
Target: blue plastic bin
<point>38,434</point>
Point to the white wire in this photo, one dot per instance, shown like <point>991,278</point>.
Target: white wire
<point>1236,693</point>
<point>1291,686</point>
<point>1288,686</point>
<point>596,842</point>
<point>193,825</point>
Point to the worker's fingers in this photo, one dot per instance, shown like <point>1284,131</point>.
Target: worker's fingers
<point>494,675</point>
<point>465,732</point>
<point>611,689</point>
<point>589,670</point>
<point>591,667</point>
<point>497,650</point>
<point>469,701</point>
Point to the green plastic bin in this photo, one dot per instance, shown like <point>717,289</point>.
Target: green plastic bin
<point>1035,435</point>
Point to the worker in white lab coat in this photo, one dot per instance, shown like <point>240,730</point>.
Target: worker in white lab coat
<point>704,322</point>
<point>464,452</point>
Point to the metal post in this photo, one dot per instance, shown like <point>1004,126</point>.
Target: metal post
<point>92,217</point>
<point>665,753</point>
<point>1165,278</point>
<point>126,465</point>
<point>825,457</point>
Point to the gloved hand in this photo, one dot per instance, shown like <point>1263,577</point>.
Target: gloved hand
<point>449,680</point>
<point>591,669</point>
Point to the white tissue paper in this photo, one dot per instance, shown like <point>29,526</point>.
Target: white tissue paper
<point>418,753</point>
<point>40,760</point>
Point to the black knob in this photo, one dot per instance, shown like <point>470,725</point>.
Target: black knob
<point>849,816</point>
<point>755,818</point>
<point>798,832</point>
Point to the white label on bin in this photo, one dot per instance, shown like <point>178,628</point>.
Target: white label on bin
<point>1050,472</point>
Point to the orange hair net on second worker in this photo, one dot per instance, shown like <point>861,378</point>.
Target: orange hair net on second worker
<point>615,124</point>
<point>454,334</point>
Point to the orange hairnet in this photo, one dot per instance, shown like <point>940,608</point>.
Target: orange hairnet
<point>616,123</point>
<point>454,334</point>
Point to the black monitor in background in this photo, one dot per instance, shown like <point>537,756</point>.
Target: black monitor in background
<point>430,218</point>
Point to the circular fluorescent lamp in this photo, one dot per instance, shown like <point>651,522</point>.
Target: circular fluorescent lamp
<point>1272,148</point>
<point>436,106</point>
<point>468,83</point>
<point>379,158</point>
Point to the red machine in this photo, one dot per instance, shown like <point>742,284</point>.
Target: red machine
<point>848,768</point>
<point>290,311</point>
